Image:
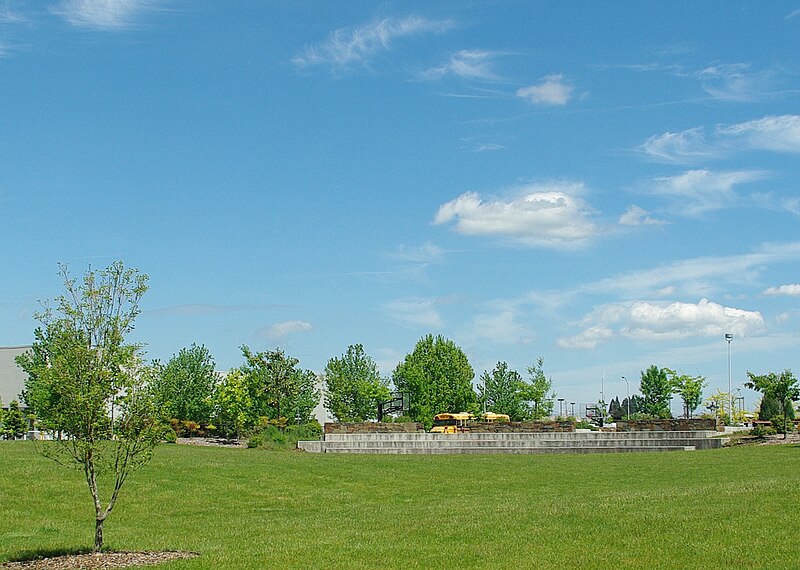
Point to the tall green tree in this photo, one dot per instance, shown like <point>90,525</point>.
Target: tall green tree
<point>656,391</point>
<point>501,391</point>
<point>281,391</point>
<point>689,388</point>
<point>782,387</point>
<point>235,404</point>
<point>535,391</point>
<point>438,378</point>
<point>354,386</point>
<point>184,386</point>
<point>88,385</point>
<point>615,409</point>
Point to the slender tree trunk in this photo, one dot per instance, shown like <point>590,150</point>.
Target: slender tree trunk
<point>98,534</point>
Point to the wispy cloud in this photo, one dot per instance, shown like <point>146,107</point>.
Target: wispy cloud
<point>426,253</point>
<point>551,90</point>
<point>737,81</point>
<point>792,290</point>
<point>357,46</point>
<point>501,327</point>
<point>466,64</point>
<point>773,133</point>
<point>102,14</point>
<point>698,191</point>
<point>646,320</point>
<point>416,311</point>
<point>793,14</point>
<point>636,216</point>
<point>280,330</point>
<point>553,216</point>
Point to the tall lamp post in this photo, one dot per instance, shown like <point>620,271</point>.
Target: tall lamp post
<point>628,396</point>
<point>729,338</point>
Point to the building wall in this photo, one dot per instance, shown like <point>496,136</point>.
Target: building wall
<point>12,378</point>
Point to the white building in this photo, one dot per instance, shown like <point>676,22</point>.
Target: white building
<point>12,377</point>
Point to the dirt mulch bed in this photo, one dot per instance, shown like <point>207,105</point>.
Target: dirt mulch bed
<point>212,441</point>
<point>98,561</point>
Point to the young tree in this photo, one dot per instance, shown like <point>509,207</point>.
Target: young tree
<point>235,408</point>
<point>535,391</point>
<point>14,424</point>
<point>438,378</point>
<point>615,409</point>
<point>782,387</point>
<point>656,391</point>
<point>184,386</point>
<point>354,386</point>
<point>769,408</point>
<point>690,389</point>
<point>87,385</point>
<point>501,391</point>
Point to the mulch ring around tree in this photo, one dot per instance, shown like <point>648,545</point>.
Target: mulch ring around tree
<point>91,561</point>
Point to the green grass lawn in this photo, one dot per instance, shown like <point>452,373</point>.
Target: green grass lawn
<point>243,508</point>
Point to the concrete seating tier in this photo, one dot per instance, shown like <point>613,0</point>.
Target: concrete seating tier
<point>568,442</point>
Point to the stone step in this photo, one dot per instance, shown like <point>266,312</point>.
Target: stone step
<point>510,444</point>
<point>508,450</point>
<point>565,436</point>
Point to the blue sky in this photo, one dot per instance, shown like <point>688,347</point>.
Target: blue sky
<point>606,185</point>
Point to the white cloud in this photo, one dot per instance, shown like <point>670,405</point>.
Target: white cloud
<point>588,338</point>
<point>683,147</point>
<point>357,46</point>
<point>426,253</point>
<point>499,328</point>
<point>280,330</point>
<point>102,14</point>
<point>466,64</point>
<point>416,311</point>
<point>772,133</point>
<point>636,216</point>
<point>791,290</point>
<point>551,90</point>
<point>697,191</point>
<point>551,215</point>
<point>647,320</point>
<point>736,81</point>
<point>793,14</point>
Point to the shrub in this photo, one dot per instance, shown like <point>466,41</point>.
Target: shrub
<point>283,439</point>
<point>763,431</point>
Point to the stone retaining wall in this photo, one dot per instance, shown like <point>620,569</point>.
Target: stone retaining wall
<point>372,427</point>
<point>691,424</point>
<point>521,427</point>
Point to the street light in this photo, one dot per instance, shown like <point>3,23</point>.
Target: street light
<point>729,338</point>
<point>560,402</point>
<point>628,397</point>
<point>573,409</point>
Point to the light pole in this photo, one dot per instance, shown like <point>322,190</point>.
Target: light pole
<point>729,338</point>
<point>560,402</point>
<point>573,409</point>
<point>628,397</point>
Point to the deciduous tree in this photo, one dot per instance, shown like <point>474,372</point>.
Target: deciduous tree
<point>13,422</point>
<point>501,391</point>
<point>438,378</point>
<point>656,391</point>
<point>783,387</point>
<point>184,386</point>
<point>354,386</point>
<point>535,392</point>
<point>88,386</point>
<point>690,389</point>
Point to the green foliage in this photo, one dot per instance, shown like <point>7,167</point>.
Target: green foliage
<point>782,387</point>
<point>616,410</point>
<point>636,406</point>
<point>88,386</point>
<point>690,389</point>
<point>268,385</point>
<point>535,391</point>
<point>184,386</point>
<point>438,378</point>
<point>354,386</point>
<point>284,439</point>
<point>656,390</point>
<point>501,392</point>
<point>13,422</point>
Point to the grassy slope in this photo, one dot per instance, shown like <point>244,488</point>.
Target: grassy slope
<point>240,509</point>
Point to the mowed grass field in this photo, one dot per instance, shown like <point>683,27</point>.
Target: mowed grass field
<point>241,509</point>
